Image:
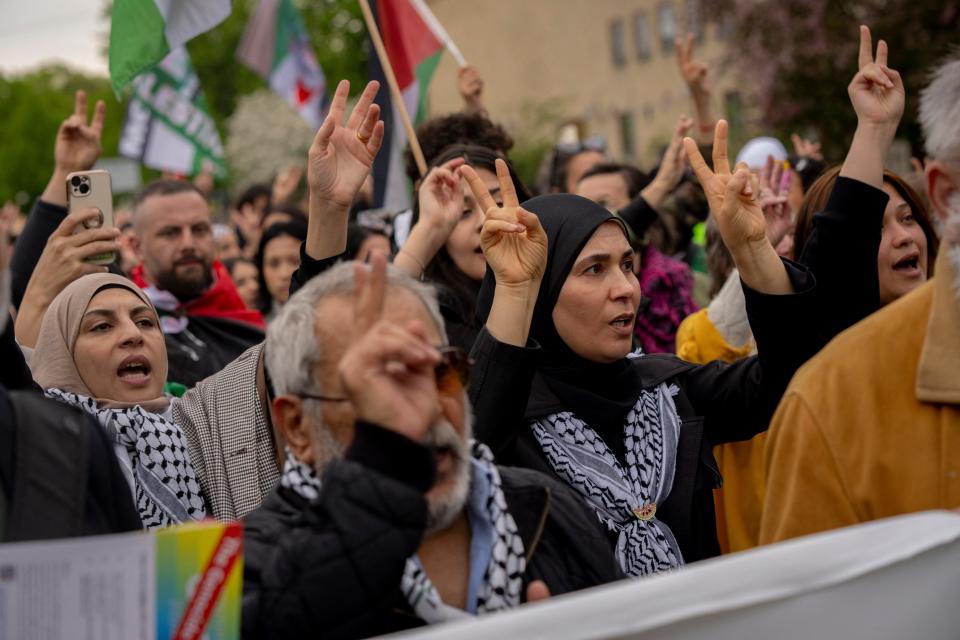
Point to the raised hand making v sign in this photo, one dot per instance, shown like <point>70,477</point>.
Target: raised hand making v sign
<point>515,247</point>
<point>733,201</point>
<point>388,370</point>
<point>339,161</point>
<point>695,74</point>
<point>77,147</point>
<point>878,96</point>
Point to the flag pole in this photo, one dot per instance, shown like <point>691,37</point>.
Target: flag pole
<point>394,87</point>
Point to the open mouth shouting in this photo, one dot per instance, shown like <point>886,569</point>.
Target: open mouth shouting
<point>134,371</point>
<point>623,323</point>
<point>909,265</point>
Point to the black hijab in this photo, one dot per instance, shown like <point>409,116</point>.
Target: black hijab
<point>601,394</point>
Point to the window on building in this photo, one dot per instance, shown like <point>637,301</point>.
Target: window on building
<point>667,25</point>
<point>693,16</point>
<point>641,35</point>
<point>627,135</point>
<point>618,44</point>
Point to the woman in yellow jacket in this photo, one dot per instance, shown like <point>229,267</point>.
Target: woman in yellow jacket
<point>721,331</point>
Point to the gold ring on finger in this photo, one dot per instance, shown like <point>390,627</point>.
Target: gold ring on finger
<point>362,138</point>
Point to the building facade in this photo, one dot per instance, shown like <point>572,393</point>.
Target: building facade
<point>609,66</point>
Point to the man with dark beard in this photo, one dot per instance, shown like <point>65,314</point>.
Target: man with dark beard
<point>388,515</point>
<point>205,322</point>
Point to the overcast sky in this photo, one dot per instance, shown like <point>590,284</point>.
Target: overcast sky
<point>33,32</point>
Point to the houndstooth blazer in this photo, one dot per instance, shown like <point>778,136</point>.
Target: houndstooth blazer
<point>230,438</point>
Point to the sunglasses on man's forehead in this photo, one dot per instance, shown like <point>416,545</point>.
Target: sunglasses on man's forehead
<point>452,374</point>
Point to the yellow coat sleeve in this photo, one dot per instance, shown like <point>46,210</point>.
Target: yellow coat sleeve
<point>805,492</point>
<point>698,341</point>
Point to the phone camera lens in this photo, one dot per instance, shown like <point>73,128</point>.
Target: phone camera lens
<point>84,189</point>
<point>75,181</point>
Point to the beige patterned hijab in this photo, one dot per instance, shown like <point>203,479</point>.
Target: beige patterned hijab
<point>52,362</point>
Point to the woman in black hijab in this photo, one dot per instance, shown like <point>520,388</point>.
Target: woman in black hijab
<point>556,387</point>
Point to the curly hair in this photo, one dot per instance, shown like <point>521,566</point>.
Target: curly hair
<point>436,134</point>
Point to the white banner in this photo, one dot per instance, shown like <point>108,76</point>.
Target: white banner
<point>895,578</point>
<point>168,125</point>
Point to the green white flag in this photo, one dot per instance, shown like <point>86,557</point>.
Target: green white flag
<point>143,32</point>
<point>168,125</point>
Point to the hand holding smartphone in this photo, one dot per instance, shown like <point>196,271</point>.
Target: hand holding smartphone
<point>86,189</point>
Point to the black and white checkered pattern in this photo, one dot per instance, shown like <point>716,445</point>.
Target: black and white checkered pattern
<point>230,438</point>
<point>165,486</point>
<point>503,579</point>
<point>620,497</point>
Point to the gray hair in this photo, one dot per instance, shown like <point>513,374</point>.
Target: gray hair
<point>292,348</point>
<point>940,110</point>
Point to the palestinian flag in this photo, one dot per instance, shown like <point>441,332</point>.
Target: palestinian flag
<point>414,41</point>
<point>143,32</point>
<point>275,45</point>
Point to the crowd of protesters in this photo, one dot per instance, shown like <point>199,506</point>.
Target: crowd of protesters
<point>509,391</point>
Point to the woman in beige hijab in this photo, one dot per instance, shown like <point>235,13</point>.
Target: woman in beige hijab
<point>100,348</point>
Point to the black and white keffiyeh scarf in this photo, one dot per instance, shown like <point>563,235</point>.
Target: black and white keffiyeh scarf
<point>624,500</point>
<point>503,580</point>
<point>165,486</point>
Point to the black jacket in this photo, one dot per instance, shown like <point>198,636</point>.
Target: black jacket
<point>717,403</point>
<point>59,476</point>
<point>332,567</point>
<point>206,346</point>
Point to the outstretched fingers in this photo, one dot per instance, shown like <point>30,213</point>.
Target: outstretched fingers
<point>365,130</point>
<point>697,162</point>
<point>369,291</point>
<point>99,114</point>
<point>376,138</point>
<point>721,163</point>
<point>334,116</point>
<point>480,191</point>
<point>881,53</point>
<point>339,103</point>
<point>866,47</point>
<point>80,104</point>
<point>507,189</point>
<point>360,113</point>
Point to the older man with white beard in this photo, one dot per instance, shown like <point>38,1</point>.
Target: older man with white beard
<point>870,428</point>
<point>388,515</point>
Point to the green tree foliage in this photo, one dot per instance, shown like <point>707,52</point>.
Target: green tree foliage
<point>337,33</point>
<point>797,56</point>
<point>32,106</point>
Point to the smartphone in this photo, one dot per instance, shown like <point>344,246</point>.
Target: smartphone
<point>86,189</point>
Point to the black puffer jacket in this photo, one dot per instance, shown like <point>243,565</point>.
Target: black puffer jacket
<point>332,567</point>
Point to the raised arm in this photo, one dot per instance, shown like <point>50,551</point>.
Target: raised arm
<point>76,148</point>
<point>845,238</point>
<point>339,161</point>
<point>64,259</point>
<point>470,85</point>
<point>878,96</point>
<point>695,75</point>
<point>515,246</point>
<point>740,217</point>
<point>441,207</point>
